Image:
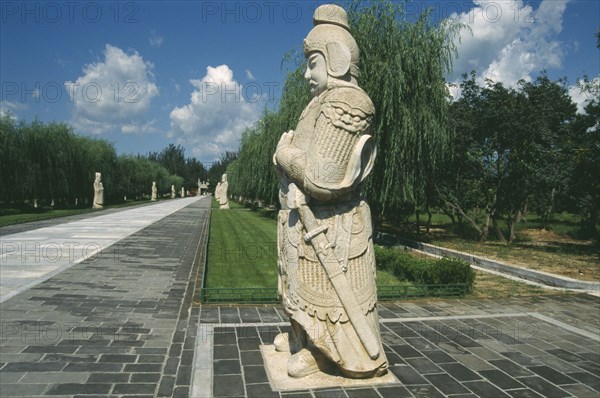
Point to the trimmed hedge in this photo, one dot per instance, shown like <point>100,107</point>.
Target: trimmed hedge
<point>424,271</point>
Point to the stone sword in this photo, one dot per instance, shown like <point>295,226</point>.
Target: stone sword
<point>324,249</point>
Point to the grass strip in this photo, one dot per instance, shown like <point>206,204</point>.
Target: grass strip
<point>13,216</point>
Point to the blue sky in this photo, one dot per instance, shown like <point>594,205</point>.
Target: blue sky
<point>143,74</point>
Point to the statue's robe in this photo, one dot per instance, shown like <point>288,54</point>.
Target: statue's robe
<point>330,154</point>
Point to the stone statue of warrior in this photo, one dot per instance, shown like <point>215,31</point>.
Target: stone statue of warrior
<point>325,249</point>
<point>222,187</point>
<point>98,192</point>
<point>154,192</point>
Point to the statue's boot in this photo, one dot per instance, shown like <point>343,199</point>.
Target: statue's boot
<point>282,342</point>
<point>302,364</point>
<point>285,342</point>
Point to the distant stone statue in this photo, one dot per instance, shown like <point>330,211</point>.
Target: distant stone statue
<point>222,189</point>
<point>182,192</point>
<point>154,192</point>
<point>172,191</point>
<point>218,190</point>
<point>98,192</point>
<point>326,258</point>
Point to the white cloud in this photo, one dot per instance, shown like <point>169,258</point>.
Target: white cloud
<point>10,108</point>
<point>114,94</point>
<point>216,116</point>
<point>155,39</point>
<point>138,127</point>
<point>510,40</point>
<point>249,74</point>
<point>580,98</point>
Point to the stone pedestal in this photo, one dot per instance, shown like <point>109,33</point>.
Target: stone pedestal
<point>276,368</point>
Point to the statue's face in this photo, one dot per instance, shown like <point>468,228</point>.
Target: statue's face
<point>316,73</point>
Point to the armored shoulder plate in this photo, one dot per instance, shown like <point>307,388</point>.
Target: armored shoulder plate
<point>349,108</point>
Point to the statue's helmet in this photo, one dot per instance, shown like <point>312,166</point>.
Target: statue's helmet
<point>331,36</point>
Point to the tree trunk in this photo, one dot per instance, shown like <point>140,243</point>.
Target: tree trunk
<point>524,212</point>
<point>450,214</point>
<point>497,229</point>
<point>512,226</point>
<point>485,230</point>
<point>429,216</point>
<point>417,215</point>
<point>590,224</point>
<point>516,219</point>
<point>549,209</point>
<point>455,207</point>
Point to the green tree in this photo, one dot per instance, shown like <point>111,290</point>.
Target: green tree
<point>584,183</point>
<point>193,170</point>
<point>12,160</point>
<point>172,158</point>
<point>219,168</point>
<point>509,147</point>
<point>402,65</point>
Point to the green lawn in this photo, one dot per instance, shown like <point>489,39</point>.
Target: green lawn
<point>242,249</point>
<point>242,253</point>
<point>232,204</point>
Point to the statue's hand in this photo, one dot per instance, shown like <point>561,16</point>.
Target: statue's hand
<point>285,140</point>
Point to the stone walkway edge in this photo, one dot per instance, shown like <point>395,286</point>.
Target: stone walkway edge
<point>541,277</point>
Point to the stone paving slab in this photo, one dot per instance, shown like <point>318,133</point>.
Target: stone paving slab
<point>28,226</point>
<point>30,257</point>
<point>516,347</point>
<point>111,325</point>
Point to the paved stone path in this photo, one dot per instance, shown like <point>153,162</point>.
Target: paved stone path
<point>32,256</point>
<point>125,323</point>
<point>116,323</point>
<point>518,347</point>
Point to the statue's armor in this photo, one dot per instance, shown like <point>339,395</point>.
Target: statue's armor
<point>328,157</point>
<point>330,144</point>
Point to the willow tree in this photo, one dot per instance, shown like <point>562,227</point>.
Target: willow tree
<point>402,69</point>
<point>252,175</point>
<point>402,64</point>
<point>12,160</point>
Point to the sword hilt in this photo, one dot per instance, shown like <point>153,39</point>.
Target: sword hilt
<point>311,234</point>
